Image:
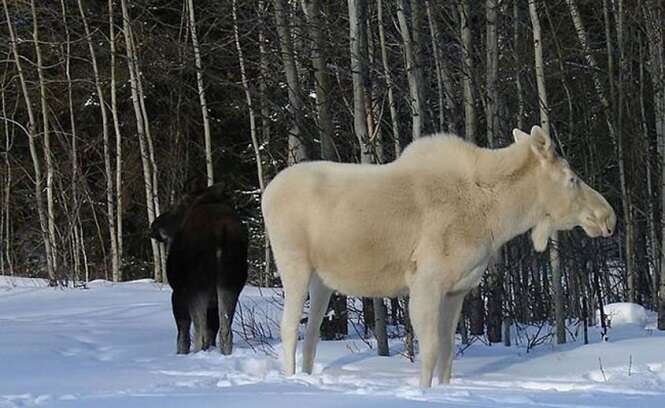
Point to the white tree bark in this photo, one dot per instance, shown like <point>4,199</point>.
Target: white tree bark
<point>118,142</point>
<point>140,130</point>
<point>34,155</point>
<point>413,71</point>
<point>389,80</point>
<point>297,148</point>
<point>555,262</point>
<point>202,94</point>
<point>46,137</point>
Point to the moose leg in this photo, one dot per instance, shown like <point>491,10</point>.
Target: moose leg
<point>424,306</point>
<point>198,308</point>
<point>183,321</point>
<point>451,307</point>
<point>319,296</point>
<point>228,299</point>
<point>295,280</point>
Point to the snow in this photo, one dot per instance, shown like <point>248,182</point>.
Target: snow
<point>114,345</point>
<point>619,314</point>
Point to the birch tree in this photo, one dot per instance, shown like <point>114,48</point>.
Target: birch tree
<point>31,131</point>
<point>202,94</point>
<point>359,69</point>
<point>298,146</point>
<point>46,144</point>
<point>413,69</point>
<point>148,177</point>
<point>555,263</point>
<point>118,141</point>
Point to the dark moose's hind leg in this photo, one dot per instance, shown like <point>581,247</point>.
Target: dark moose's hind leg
<point>227,298</point>
<point>183,321</point>
<point>198,309</point>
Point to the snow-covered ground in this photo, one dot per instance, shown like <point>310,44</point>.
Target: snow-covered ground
<point>114,346</point>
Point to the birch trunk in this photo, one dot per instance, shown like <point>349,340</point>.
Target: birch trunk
<point>518,74</point>
<point>413,71</point>
<point>312,10</point>
<point>6,221</point>
<point>118,143</point>
<point>202,94</point>
<point>34,155</point>
<point>46,136</point>
<point>140,130</point>
<point>359,69</point>
<point>74,213</point>
<point>298,148</point>
<point>389,80</point>
<point>110,206</point>
<point>555,263</point>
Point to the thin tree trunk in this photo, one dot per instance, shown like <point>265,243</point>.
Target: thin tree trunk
<point>312,10</point>
<point>75,213</point>
<point>467,71</point>
<point>413,70</point>
<point>298,148</point>
<point>6,222</point>
<point>118,144</point>
<point>46,137</point>
<point>359,69</point>
<point>110,207</point>
<point>555,263</point>
<point>516,57</point>
<point>140,130</point>
<point>495,282</point>
<point>389,80</point>
<point>265,124</point>
<point>30,132</point>
<point>202,94</point>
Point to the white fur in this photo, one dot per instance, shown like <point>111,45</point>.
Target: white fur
<point>425,224</point>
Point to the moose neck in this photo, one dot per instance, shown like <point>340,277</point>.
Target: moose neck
<point>512,173</point>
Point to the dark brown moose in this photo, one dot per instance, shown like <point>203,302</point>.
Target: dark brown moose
<point>206,265</point>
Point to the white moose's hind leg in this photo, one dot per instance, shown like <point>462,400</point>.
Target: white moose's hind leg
<point>319,296</point>
<point>424,305</point>
<point>451,307</point>
<point>295,279</point>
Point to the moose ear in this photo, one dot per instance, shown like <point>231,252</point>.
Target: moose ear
<point>518,135</point>
<point>542,144</point>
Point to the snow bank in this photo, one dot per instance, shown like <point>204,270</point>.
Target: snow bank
<point>619,314</point>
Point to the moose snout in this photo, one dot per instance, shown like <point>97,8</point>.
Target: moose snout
<point>610,224</point>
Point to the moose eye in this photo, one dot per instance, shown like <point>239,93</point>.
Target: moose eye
<point>573,181</point>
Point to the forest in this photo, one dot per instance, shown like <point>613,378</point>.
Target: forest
<point>111,108</point>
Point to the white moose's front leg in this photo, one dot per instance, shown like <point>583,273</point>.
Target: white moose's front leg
<point>424,302</point>
<point>451,307</point>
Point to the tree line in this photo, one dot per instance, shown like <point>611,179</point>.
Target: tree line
<point>110,107</point>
